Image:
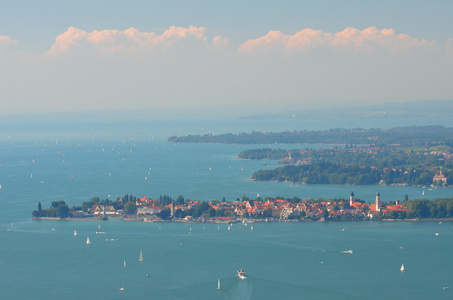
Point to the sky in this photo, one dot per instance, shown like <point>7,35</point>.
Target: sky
<point>222,56</point>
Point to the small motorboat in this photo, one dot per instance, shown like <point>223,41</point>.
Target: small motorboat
<point>241,274</point>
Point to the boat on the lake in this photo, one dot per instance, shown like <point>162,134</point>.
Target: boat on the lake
<point>241,274</point>
<point>140,257</point>
<point>88,240</point>
<point>347,251</point>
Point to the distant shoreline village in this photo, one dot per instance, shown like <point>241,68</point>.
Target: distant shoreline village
<point>166,209</point>
<point>405,156</point>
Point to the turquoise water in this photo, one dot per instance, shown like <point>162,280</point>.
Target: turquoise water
<point>76,171</point>
<point>282,260</point>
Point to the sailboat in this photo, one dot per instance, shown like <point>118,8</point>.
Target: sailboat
<point>124,264</point>
<point>251,228</point>
<point>140,258</point>
<point>218,284</point>
<point>122,287</point>
<point>75,232</point>
<point>88,240</point>
<point>402,268</point>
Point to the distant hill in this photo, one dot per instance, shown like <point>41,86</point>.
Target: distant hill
<point>414,109</point>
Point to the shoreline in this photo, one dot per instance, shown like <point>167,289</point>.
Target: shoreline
<point>251,221</point>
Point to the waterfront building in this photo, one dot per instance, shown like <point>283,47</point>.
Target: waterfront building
<point>440,178</point>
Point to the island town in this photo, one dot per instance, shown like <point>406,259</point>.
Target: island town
<point>166,209</point>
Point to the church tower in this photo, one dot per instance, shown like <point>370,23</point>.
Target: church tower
<point>378,202</point>
<point>172,209</point>
<point>351,199</point>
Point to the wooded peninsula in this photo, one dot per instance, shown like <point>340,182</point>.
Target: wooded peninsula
<point>358,165</point>
<point>403,136</point>
<point>414,155</point>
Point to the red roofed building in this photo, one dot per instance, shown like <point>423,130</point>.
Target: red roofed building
<point>440,177</point>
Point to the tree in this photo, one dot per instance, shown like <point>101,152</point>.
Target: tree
<point>449,208</point>
<point>180,200</point>
<point>179,213</point>
<point>56,203</point>
<point>220,212</point>
<point>62,210</point>
<point>393,214</point>
<point>204,206</point>
<point>130,208</point>
<point>39,207</point>
<point>267,213</point>
<point>197,212</point>
<point>164,214</point>
<point>211,212</point>
<point>325,214</point>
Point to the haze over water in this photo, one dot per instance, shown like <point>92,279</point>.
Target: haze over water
<point>287,260</point>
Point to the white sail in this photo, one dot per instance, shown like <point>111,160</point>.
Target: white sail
<point>140,258</point>
<point>124,263</point>
<point>75,232</point>
<point>402,268</point>
<point>88,240</point>
<point>218,284</point>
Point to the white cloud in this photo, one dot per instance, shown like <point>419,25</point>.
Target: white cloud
<point>185,67</point>
<point>369,39</point>
<point>6,47</point>
<point>131,42</point>
<point>6,41</point>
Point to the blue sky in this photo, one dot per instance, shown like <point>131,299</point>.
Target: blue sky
<point>264,55</point>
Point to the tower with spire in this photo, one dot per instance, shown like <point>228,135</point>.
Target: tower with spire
<point>351,199</point>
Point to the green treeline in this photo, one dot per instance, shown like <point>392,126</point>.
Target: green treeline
<point>265,153</point>
<point>334,173</point>
<point>389,157</point>
<point>406,136</point>
<point>425,209</point>
<point>127,203</point>
<point>58,209</point>
<point>321,173</point>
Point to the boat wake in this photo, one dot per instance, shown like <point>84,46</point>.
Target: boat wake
<point>242,290</point>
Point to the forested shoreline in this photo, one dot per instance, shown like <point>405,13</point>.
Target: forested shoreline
<point>356,165</point>
<point>404,136</point>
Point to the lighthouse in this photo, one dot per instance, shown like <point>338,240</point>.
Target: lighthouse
<point>378,202</point>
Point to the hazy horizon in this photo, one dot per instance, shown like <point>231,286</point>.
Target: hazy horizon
<point>220,58</point>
